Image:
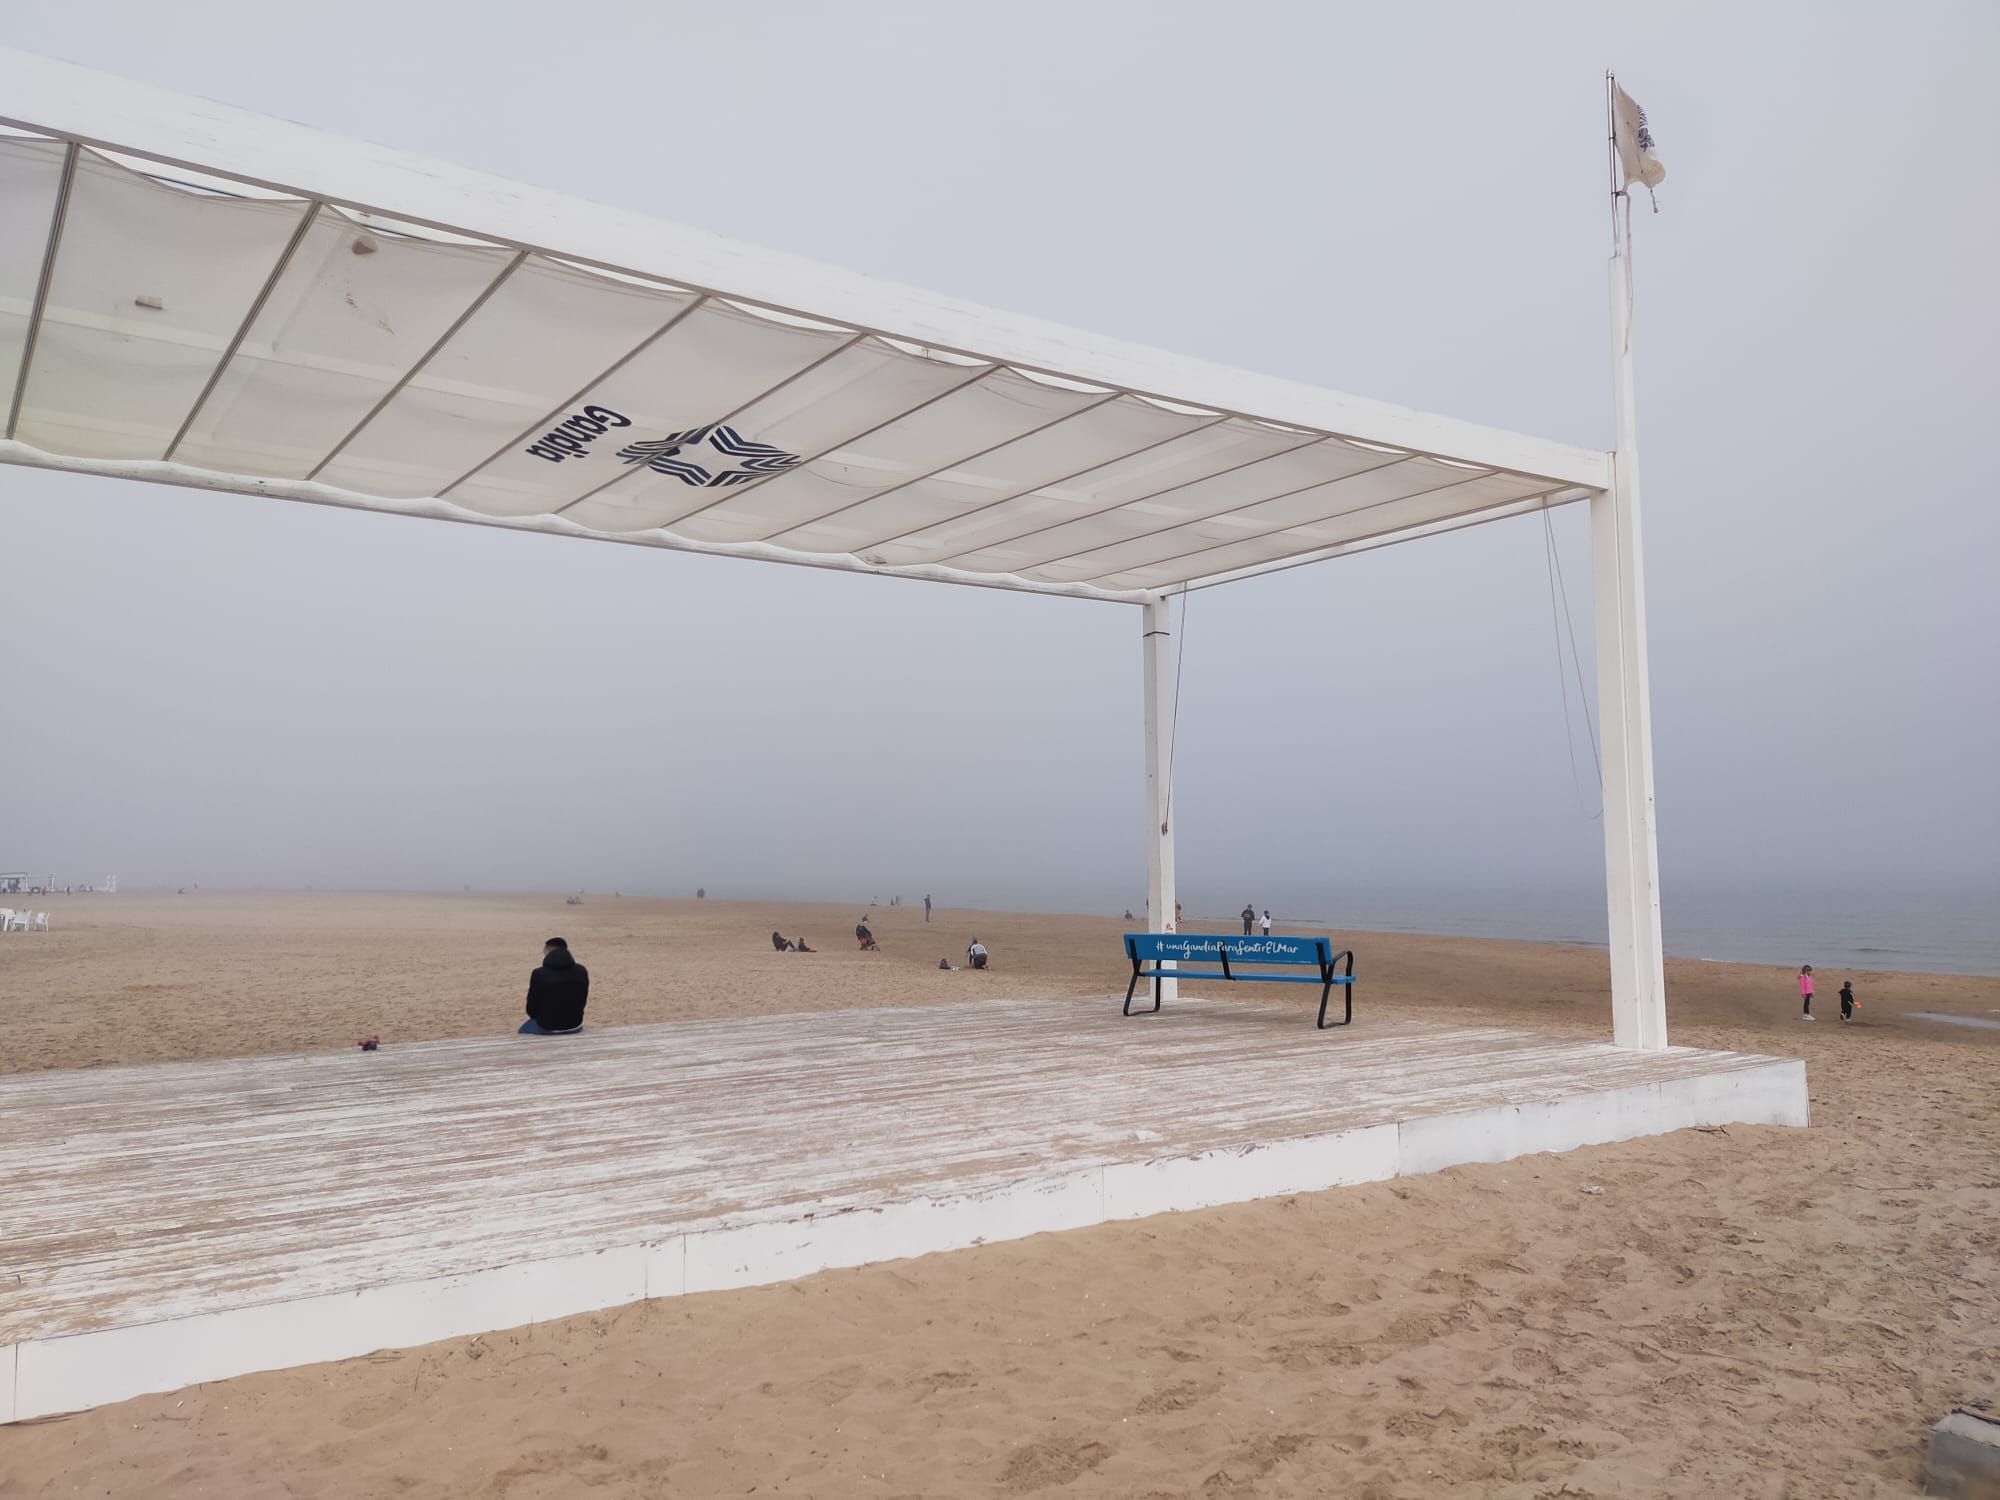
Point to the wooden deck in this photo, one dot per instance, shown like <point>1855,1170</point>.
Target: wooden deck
<point>141,1197</point>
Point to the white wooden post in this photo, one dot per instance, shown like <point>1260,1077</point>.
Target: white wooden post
<point>1157,639</point>
<point>1618,588</point>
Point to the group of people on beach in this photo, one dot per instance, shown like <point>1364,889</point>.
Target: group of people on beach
<point>559,990</point>
<point>898,901</point>
<point>1847,1001</point>
<point>864,936</point>
<point>975,951</point>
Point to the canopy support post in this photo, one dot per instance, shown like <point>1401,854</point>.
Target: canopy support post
<point>1161,688</point>
<point>1618,590</point>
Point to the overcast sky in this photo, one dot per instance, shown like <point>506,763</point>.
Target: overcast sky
<point>1406,202</point>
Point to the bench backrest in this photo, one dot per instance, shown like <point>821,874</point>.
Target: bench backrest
<point>1191,947</point>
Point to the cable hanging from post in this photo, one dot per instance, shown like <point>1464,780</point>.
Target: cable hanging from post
<point>1174,720</point>
<point>1552,560</point>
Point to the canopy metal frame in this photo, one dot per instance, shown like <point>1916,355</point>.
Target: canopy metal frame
<point>256,156</point>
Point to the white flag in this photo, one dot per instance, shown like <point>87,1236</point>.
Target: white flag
<point>1636,157</point>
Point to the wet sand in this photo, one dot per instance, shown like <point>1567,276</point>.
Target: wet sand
<point>1752,1312</point>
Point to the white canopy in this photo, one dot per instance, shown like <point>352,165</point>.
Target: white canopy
<point>196,295</point>
<point>192,293</point>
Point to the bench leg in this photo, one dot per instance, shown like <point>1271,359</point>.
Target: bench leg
<point>1134,985</point>
<point>1327,994</point>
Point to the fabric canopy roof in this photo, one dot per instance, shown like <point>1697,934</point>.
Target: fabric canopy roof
<point>245,331</point>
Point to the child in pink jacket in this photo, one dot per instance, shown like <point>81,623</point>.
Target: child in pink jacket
<point>1805,991</point>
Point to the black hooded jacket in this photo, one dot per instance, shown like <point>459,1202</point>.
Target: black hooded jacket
<point>558,991</point>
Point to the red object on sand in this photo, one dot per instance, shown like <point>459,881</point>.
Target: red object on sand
<point>370,1045</point>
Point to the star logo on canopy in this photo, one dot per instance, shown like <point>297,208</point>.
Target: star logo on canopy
<point>709,456</point>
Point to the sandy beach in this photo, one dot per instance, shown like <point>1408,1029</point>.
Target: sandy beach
<point>1753,1312</point>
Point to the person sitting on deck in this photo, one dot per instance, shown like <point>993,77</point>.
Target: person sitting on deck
<point>865,938</point>
<point>557,993</point>
<point>977,953</point>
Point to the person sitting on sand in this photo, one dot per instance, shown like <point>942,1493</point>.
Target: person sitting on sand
<point>557,993</point>
<point>778,942</point>
<point>802,946</point>
<point>865,938</point>
<point>977,953</point>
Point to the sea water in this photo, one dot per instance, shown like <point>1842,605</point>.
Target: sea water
<point>1942,929</point>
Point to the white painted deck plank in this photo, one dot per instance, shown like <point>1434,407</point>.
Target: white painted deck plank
<point>135,1195</point>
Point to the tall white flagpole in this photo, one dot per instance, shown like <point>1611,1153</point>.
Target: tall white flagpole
<point>1631,844</point>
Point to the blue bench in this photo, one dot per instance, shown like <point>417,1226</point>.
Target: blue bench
<point>1235,953</point>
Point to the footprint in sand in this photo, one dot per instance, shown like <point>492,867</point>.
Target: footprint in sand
<point>1408,1424</point>
<point>1052,1461</point>
<point>1424,1328</point>
<point>1177,1397</point>
<point>1536,1362</point>
<point>1311,1354</point>
<point>943,1380</point>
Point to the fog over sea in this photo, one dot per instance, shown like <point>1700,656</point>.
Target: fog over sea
<point>1945,929</point>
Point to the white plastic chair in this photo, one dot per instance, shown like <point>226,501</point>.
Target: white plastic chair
<point>38,922</point>
<point>11,920</point>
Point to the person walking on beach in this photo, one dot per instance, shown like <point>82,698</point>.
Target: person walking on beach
<point>1847,1001</point>
<point>927,908</point>
<point>1267,921</point>
<point>557,993</point>
<point>1806,991</point>
<point>1249,919</point>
